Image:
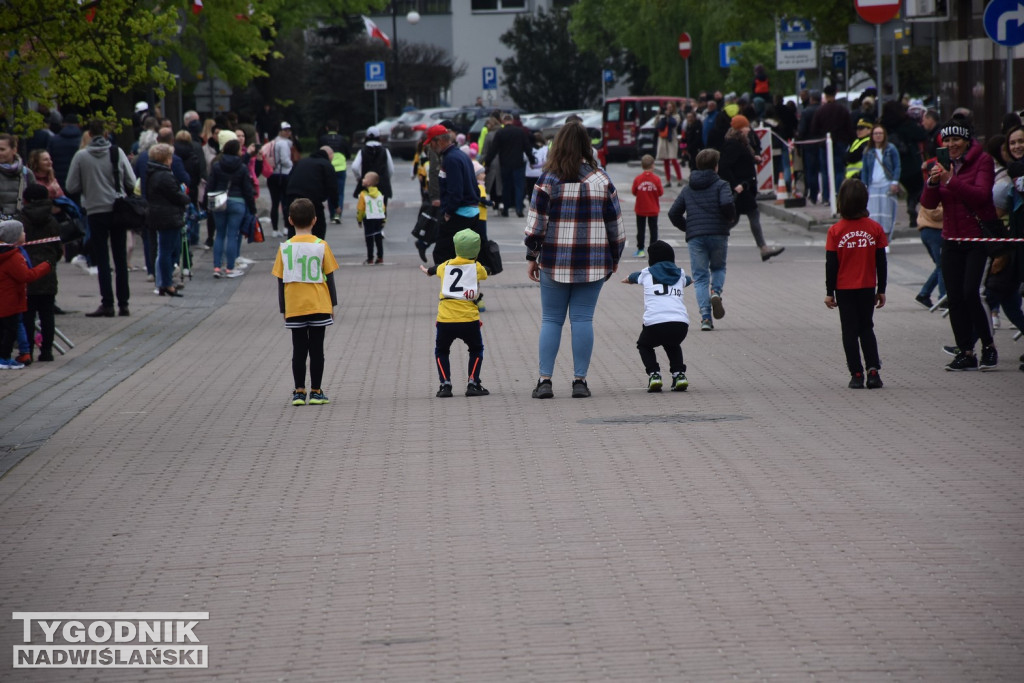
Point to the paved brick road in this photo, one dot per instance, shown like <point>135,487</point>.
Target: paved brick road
<point>768,524</point>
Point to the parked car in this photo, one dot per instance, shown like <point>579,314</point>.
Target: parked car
<point>591,121</point>
<point>465,118</point>
<point>384,126</point>
<point>412,126</point>
<point>623,117</point>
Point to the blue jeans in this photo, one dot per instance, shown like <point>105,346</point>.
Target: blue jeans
<point>167,241</point>
<point>932,240</point>
<point>513,183</point>
<point>707,257</point>
<point>579,301</point>
<point>812,171</point>
<point>225,243</point>
<point>335,207</point>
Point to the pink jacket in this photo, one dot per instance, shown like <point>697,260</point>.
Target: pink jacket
<point>968,191</point>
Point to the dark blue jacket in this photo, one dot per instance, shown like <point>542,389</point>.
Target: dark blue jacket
<point>708,205</point>
<point>62,148</point>
<point>458,182</point>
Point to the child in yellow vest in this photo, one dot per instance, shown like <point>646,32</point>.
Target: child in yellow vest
<point>457,315</point>
<point>304,267</point>
<point>371,212</point>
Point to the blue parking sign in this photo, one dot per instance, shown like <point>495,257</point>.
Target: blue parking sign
<point>375,71</point>
<point>490,78</point>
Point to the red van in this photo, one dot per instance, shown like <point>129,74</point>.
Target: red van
<point>622,119</point>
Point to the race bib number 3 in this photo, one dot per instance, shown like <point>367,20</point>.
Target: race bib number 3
<point>459,282</point>
<point>302,262</point>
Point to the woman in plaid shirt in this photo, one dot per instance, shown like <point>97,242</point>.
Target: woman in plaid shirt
<point>574,239</point>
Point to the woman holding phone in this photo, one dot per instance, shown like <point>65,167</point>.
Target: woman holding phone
<point>962,183</point>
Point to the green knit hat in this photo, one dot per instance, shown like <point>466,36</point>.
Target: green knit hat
<point>467,244</point>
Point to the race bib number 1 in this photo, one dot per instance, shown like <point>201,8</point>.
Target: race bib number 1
<point>303,262</point>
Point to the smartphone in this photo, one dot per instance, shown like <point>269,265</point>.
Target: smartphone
<point>942,156</point>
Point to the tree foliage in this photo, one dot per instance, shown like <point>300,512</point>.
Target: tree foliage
<point>547,70</point>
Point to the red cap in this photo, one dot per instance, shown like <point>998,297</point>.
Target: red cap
<point>433,132</point>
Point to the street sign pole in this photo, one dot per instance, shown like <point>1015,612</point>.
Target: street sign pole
<point>878,70</point>
<point>1009,80</point>
<point>688,79</point>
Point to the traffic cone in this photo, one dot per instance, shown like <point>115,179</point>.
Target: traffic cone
<point>781,195</point>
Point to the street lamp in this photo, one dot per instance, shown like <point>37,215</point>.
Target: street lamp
<point>413,17</point>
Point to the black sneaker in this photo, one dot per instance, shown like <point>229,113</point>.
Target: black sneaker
<point>580,389</point>
<point>954,351</point>
<point>856,380</point>
<point>874,381</point>
<point>445,391</point>
<point>963,362</point>
<point>989,359</point>
<point>476,389</point>
<point>654,383</point>
<point>925,301</point>
<point>717,309</point>
<point>421,249</point>
<point>298,398</point>
<point>543,389</point>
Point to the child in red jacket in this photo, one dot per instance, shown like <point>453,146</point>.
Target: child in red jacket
<point>15,274</point>
<point>647,189</point>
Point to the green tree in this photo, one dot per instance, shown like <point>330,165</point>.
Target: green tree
<point>547,70</point>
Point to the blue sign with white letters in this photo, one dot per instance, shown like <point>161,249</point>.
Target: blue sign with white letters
<point>609,75</point>
<point>375,71</point>
<point>1004,22</point>
<point>490,78</point>
<point>725,58</point>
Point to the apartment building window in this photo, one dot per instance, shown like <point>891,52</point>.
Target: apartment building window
<point>498,5</point>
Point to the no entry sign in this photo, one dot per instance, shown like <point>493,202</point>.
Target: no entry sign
<point>684,45</point>
<point>877,11</point>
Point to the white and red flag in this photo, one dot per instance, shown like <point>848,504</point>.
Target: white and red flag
<point>374,32</point>
<point>197,6</point>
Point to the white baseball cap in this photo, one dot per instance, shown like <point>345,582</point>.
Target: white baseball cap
<point>285,125</point>
<point>141,106</point>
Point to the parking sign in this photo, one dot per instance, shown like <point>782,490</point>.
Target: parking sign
<point>490,75</point>
<point>375,77</point>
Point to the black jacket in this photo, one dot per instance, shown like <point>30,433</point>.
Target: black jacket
<point>231,173</point>
<point>62,148</point>
<point>166,200</point>
<point>313,178</point>
<point>736,167</point>
<point>509,145</point>
<point>191,155</point>
<point>40,223</point>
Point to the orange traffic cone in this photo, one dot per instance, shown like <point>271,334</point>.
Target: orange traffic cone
<point>781,195</point>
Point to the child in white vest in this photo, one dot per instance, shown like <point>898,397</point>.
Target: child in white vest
<point>371,212</point>
<point>665,319</point>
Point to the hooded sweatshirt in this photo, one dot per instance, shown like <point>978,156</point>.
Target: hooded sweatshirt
<point>663,285</point>
<point>92,174</point>
<point>40,223</point>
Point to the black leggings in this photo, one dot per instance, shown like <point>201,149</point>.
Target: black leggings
<point>308,341</point>
<point>41,304</point>
<point>277,183</point>
<point>963,266</point>
<point>652,222</point>
<point>856,311</point>
<point>670,336</point>
<point>372,240</point>
<point>468,332</point>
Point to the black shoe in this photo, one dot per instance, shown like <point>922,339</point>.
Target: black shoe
<point>476,389</point>
<point>123,311</point>
<point>874,381</point>
<point>101,312</point>
<point>955,351</point>
<point>856,380</point>
<point>1021,359</point>
<point>520,214</point>
<point>57,310</point>
<point>989,358</point>
<point>580,389</point>
<point>543,389</point>
<point>925,301</point>
<point>421,248</point>
<point>504,214</point>
<point>45,357</point>
<point>772,251</point>
<point>963,362</point>
<point>445,391</point>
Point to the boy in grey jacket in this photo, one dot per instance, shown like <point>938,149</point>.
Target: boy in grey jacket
<point>710,213</point>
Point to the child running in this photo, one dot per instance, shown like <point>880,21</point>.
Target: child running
<point>647,189</point>
<point>854,265</point>
<point>665,320</point>
<point>371,213</point>
<point>457,315</point>
<point>304,267</point>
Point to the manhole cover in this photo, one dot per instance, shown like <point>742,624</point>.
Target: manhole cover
<point>668,419</point>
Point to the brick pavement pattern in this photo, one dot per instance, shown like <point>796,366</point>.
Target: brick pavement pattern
<point>767,524</point>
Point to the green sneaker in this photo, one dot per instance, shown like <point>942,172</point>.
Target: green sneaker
<point>654,383</point>
<point>679,382</point>
<point>318,398</point>
<point>299,398</point>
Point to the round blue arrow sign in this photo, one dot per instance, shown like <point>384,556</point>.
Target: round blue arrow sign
<point>1004,22</point>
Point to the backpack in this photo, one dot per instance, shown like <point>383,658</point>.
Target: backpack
<point>267,151</point>
<point>900,144</point>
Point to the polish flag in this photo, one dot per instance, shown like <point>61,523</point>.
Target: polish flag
<point>197,6</point>
<point>374,32</point>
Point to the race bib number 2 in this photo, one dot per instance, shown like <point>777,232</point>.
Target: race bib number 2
<point>302,262</point>
<point>460,282</point>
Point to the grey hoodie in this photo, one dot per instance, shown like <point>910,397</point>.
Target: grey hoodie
<point>92,174</point>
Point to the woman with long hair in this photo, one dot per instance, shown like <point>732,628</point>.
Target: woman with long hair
<point>574,238</point>
<point>881,174</point>
<point>668,126</point>
<point>737,168</point>
<point>41,165</point>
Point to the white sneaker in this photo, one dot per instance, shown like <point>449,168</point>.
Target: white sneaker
<point>177,270</point>
<point>275,233</point>
<point>995,321</point>
<point>81,262</point>
<point>93,270</point>
<point>241,266</point>
<point>187,272</point>
<point>242,261</point>
<point>234,273</point>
